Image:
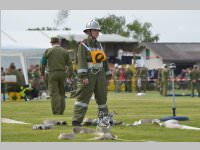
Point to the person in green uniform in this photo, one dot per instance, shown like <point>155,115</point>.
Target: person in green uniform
<point>138,82</point>
<point>116,78</point>
<point>144,77</point>
<point>141,79</point>
<point>3,86</point>
<point>195,80</point>
<point>164,80</point>
<point>158,82</point>
<point>93,71</point>
<point>14,88</point>
<point>128,77</point>
<point>56,58</point>
<point>35,84</point>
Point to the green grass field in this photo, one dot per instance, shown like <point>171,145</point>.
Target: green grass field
<point>128,106</point>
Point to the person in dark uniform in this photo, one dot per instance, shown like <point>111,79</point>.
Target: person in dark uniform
<point>35,82</point>
<point>158,82</point>
<point>116,78</point>
<point>92,72</point>
<point>164,80</point>
<point>141,79</point>
<point>3,86</point>
<point>195,80</point>
<point>128,77</point>
<point>56,58</point>
<point>13,88</point>
<point>144,77</point>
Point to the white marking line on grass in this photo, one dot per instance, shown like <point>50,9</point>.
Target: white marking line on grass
<point>6,120</point>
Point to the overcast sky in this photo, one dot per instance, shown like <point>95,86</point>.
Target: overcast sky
<point>172,26</point>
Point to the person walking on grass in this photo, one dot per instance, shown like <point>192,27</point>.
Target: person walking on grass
<point>56,58</point>
<point>93,71</point>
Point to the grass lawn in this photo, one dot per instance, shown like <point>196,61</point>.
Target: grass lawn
<point>128,106</point>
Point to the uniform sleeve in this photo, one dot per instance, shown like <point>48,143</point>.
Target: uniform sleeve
<point>82,62</point>
<point>106,68</point>
<point>69,65</point>
<point>43,63</point>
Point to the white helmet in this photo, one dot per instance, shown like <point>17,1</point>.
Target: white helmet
<point>116,65</point>
<point>92,25</point>
<point>127,66</point>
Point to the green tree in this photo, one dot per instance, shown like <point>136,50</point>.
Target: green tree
<point>142,31</point>
<point>136,30</point>
<point>113,25</point>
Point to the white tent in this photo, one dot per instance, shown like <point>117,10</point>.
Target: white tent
<point>22,60</point>
<point>18,46</point>
<point>18,50</point>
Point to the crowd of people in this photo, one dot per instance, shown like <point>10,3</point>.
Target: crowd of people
<point>155,79</point>
<point>13,83</point>
<point>37,84</point>
<point>125,79</point>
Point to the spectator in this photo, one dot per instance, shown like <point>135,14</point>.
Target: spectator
<point>195,77</point>
<point>14,87</point>
<point>128,77</point>
<point>116,78</point>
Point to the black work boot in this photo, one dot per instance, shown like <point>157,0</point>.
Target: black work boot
<point>76,127</point>
<point>76,123</point>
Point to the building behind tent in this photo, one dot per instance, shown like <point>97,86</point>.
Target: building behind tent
<point>118,49</point>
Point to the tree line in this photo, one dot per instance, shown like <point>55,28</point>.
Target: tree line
<point>111,24</point>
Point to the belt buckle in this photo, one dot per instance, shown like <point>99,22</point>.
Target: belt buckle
<point>96,70</point>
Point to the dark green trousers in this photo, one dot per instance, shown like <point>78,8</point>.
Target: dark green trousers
<point>97,85</point>
<point>194,86</point>
<point>129,86</point>
<point>164,88</point>
<point>56,89</point>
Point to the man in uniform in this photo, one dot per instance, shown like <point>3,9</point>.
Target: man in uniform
<point>3,86</point>
<point>144,77</point>
<point>92,72</point>
<point>164,80</point>
<point>116,78</point>
<point>14,88</point>
<point>35,84</point>
<point>56,58</point>
<point>138,83</point>
<point>128,77</point>
<point>141,79</point>
<point>158,82</point>
<point>195,79</point>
